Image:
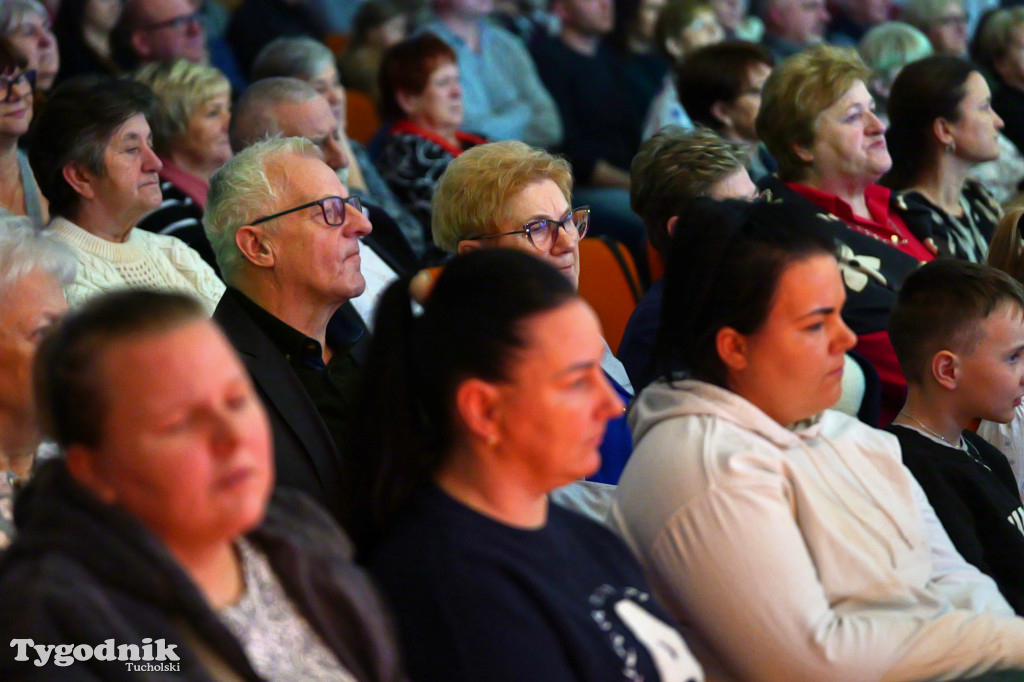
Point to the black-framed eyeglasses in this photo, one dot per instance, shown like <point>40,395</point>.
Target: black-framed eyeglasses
<point>176,23</point>
<point>333,209</point>
<point>7,83</point>
<point>952,20</point>
<point>544,232</point>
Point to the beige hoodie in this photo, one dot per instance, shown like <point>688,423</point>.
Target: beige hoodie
<point>807,553</point>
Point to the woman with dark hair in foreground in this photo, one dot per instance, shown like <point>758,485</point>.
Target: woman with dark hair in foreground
<point>481,405</point>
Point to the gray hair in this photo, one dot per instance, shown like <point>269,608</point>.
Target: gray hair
<point>241,190</point>
<point>24,249</point>
<point>890,46</point>
<point>295,57</point>
<point>13,13</point>
<point>253,116</point>
<point>922,14</point>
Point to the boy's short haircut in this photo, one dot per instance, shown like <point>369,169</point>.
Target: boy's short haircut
<point>941,307</point>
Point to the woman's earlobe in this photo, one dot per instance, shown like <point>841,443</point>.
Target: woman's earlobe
<point>732,348</point>
<point>79,178</point>
<point>406,101</point>
<point>805,154</point>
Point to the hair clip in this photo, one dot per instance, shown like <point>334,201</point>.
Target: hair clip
<point>420,287</point>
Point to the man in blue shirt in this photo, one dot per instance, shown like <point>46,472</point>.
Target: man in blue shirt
<point>503,97</point>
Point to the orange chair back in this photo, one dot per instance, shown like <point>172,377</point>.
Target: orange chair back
<point>609,283</point>
<point>337,42</point>
<point>362,121</point>
<point>656,263</point>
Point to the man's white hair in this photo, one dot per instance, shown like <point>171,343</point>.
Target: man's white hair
<point>242,191</point>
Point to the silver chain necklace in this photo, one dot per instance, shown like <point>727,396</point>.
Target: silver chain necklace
<point>965,445</point>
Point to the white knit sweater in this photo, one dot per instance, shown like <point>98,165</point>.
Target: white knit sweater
<point>147,260</point>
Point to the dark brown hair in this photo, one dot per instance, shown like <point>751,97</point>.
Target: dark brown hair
<point>716,73</point>
<point>940,306</point>
<point>407,66</point>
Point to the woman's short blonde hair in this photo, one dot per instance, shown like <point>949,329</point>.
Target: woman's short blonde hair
<point>181,88</point>
<point>472,197</point>
<point>796,92</point>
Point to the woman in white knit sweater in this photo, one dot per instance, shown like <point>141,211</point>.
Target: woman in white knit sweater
<point>93,158</point>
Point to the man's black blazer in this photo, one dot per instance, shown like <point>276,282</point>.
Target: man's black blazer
<point>305,455</point>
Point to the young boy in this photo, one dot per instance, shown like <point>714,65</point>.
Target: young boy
<point>958,331</point>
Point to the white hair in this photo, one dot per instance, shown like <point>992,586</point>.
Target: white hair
<point>13,13</point>
<point>24,250</point>
<point>241,190</point>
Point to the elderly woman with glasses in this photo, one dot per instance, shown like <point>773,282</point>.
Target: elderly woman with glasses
<point>19,194</point>
<point>26,23</point>
<point>508,194</point>
<point>93,155</point>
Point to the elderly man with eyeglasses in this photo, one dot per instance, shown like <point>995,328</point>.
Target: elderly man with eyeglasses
<point>286,236</point>
<point>164,30</point>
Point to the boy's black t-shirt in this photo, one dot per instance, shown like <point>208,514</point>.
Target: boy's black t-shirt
<point>977,502</point>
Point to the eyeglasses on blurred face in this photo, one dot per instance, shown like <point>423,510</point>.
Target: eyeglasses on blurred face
<point>544,232</point>
<point>7,83</point>
<point>180,23</point>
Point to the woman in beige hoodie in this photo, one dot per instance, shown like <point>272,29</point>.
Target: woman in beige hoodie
<point>789,538</point>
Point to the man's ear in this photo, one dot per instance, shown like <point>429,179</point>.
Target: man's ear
<point>254,246</point>
<point>670,226</point>
<point>946,369</point>
<point>140,45</point>
<point>467,245</point>
<point>83,465</point>
<point>478,404</point>
<point>80,178</point>
<point>732,348</point>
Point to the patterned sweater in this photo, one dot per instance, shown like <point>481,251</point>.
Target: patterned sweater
<point>146,260</point>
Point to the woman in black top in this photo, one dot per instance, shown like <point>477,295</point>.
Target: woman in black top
<point>477,408</point>
<point>942,125</point>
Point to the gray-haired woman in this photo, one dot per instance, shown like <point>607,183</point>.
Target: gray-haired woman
<point>27,24</point>
<point>33,268</point>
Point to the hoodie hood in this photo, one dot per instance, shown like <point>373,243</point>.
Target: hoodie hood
<point>665,399</point>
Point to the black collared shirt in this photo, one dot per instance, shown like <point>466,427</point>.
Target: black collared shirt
<point>333,385</point>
